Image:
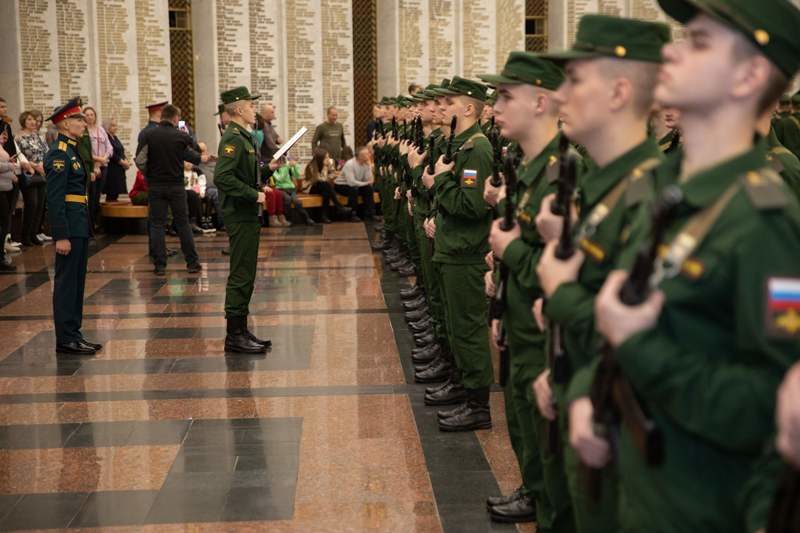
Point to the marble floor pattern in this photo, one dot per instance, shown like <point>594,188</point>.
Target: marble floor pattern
<point>162,432</point>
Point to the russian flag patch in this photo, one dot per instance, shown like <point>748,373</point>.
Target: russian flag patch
<point>469,178</point>
<point>783,307</point>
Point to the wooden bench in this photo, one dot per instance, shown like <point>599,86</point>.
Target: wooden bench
<point>309,201</point>
<point>124,217</point>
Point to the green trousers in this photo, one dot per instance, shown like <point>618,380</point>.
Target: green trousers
<point>465,311</point>
<point>243,238</point>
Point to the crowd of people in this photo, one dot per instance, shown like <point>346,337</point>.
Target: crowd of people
<point>620,221</point>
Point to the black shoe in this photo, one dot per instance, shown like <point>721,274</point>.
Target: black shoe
<point>418,350</point>
<point>411,293</point>
<point>160,271</point>
<point>426,356</point>
<point>425,332</point>
<point>237,340</point>
<point>400,263</point>
<point>425,341</point>
<point>406,272</point>
<point>493,501</point>
<point>422,367</point>
<point>476,415</point>
<point>523,509</point>
<point>266,343</point>
<point>451,394</point>
<point>325,220</point>
<point>6,265</point>
<point>439,386</point>
<point>435,374</point>
<point>422,325</point>
<point>171,253</point>
<point>226,251</point>
<point>450,413</point>
<point>417,315</point>
<point>75,348</point>
<point>194,269</point>
<point>416,303</point>
<point>93,345</point>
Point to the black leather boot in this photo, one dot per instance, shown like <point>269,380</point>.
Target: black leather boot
<point>416,303</point>
<point>449,413</point>
<point>451,394</point>
<point>523,509</point>
<point>237,340</point>
<point>434,374</point>
<point>263,342</point>
<point>411,293</point>
<point>427,355</point>
<point>476,415</point>
<point>493,501</point>
<point>415,316</point>
<point>425,341</point>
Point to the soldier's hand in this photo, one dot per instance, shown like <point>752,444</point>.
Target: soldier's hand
<point>274,164</point>
<point>63,247</point>
<point>428,179</point>
<point>494,334</point>
<point>262,198</point>
<point>553,272</point>
<point>617,321</point>
<point>204,158</point>
<point>499,239</point>
<point>489,259</point>
<point>415,158</point>
<point>403,147</point>
<point>488,284</point>
<point>441,166</point>
<point>397,195</point>
<point>410,207</point>
<point>788,417</point>
<point>430,228</point>
<point>548,224</point>
<point>593,450</point>
<point>544,395</point>
<point>492,194</point>
<point>538,313</point>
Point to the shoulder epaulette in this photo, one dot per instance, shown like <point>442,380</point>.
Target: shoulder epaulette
<point>640,189</point>
<point>62,146</point>
<point>774,162</point>
<point>765,189</point>
<point>552,169</point>
<point>469,144</point>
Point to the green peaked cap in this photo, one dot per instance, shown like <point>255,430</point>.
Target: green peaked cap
<point>527,68</point>
<point>621,38</point>
<point>236,94</point>
<point>773,26</point>
<point>463,87</point>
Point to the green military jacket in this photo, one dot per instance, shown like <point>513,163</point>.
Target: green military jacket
<point>709,369</point>
<point>236,175</point>
<point>422,196</point>
<point>66,175</point>
<point>463,218</point>
<point>601,240</point>
<point>537,178</point>
<point>784,162</point>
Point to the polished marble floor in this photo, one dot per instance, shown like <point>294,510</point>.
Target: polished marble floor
<point>162,432</point>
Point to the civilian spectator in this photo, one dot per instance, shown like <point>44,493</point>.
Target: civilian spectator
<point>286,178</point>
<point>11,149</point>
<point>274,205</point>
<point>414,88</point>
<point>317,180</point>
<point>118,164</point>
<point>356,180</point>
<point>167,149</point>
<point>8,170</point>
<point>32,145</point>
<point>138,194</point>
<point>101,155</point>
<point>270,141</point>
<point>195,185</point>
<point>330,135</point>
<point>212,193</point>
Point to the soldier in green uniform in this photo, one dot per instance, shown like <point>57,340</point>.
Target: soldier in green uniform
<point>236,177</point>
<point>665,128</point>
<point>527,113</point>
<point>605,104</point>
<point>706,350</point>
<point>68,214</point>
<point>783,161</point>
<point>787,126</point>
<point>462,228</point>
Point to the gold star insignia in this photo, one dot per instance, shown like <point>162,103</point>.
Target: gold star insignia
<point>789,322</point>
<point>58,165</point>
<point>229,149</point>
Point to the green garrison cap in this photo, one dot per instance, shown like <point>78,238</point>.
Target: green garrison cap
<point>403,101</point>
<point>527,68</point>
<point>464,87</point>
<point>236,94</point>
<point>437,91</point>
<point>772,25</point>
<point>606,36</point>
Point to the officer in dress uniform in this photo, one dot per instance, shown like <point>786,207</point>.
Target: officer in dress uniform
<point>68,214</point>
<point>236,177</point>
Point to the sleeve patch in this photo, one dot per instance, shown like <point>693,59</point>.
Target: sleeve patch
<point>469,178</point>
<point>58,165</point>
<point>783,308</point>
<point>229,150</point>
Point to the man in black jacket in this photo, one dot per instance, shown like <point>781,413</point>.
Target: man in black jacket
<point>167,149</point>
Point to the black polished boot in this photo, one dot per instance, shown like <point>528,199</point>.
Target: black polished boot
<point>416,303</point>
<point>476,415</point>
<point>451,394</point>
<point>425,341</point>
<point>434,374</point>
<point>237,340</point>
<point>449,413</point>
<point>407,271</point>
<point>266,343</point>
<point>93,345</point>
<point>422,367</point>
<point>424,333</point>
<point>422,325</point>
<point>523,509</point>
<point>493,501</point>
<point>411,293</point>
<point>419,314</point>
<point>427,355</point>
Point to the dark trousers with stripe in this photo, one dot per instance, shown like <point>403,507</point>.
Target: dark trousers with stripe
<point>69,283</point>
